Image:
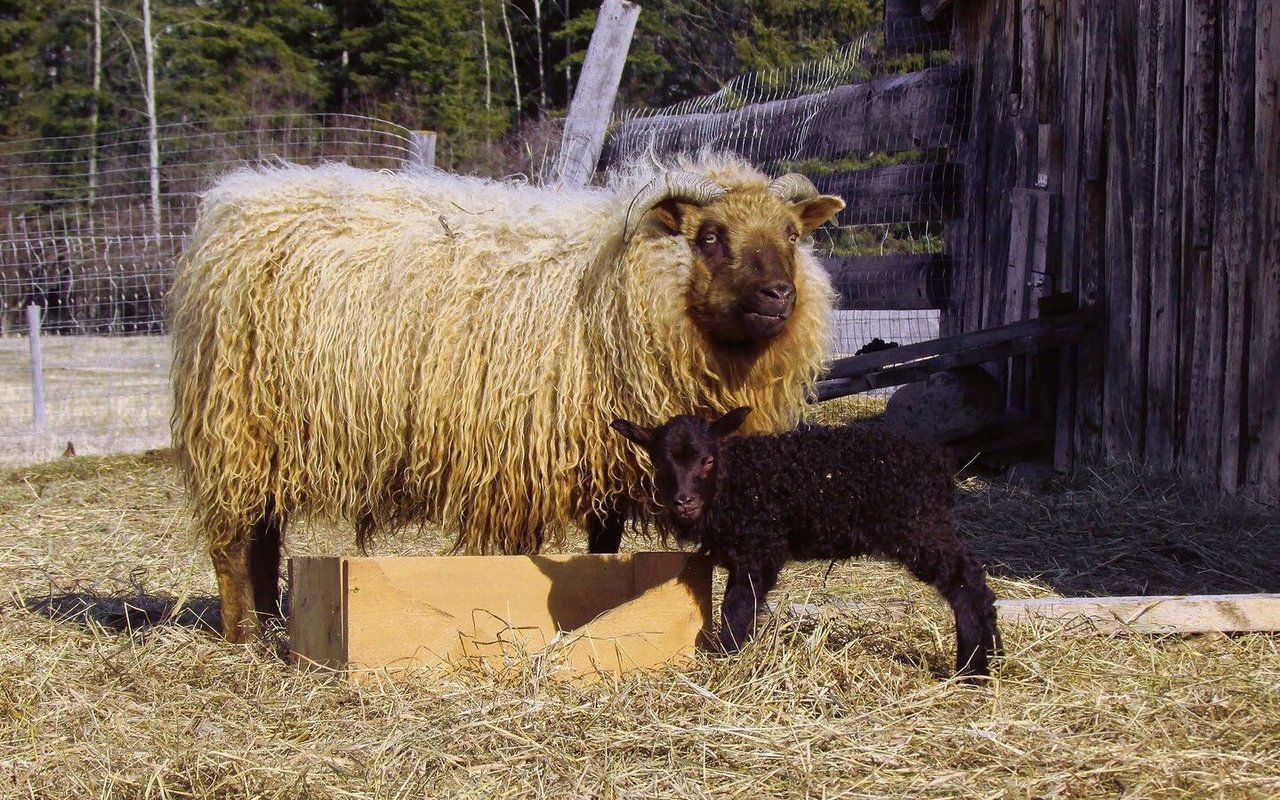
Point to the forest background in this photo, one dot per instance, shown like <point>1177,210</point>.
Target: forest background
<point>485,75</point>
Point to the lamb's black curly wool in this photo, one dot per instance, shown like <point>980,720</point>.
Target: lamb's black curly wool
<point>757,502</point>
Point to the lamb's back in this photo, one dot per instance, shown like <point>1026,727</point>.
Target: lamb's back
<point>825,487</point>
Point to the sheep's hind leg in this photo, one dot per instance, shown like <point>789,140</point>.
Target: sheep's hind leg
<point>235,588</point>
<point>604,531</point>
<point>961,582</point>
<point>264,563</point>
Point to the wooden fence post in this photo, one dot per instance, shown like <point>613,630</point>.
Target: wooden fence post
<point>422,151</point>
<point>593,98</point>
<point>37,368</point>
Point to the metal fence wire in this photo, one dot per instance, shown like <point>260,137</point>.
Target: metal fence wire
<point>90,227</point>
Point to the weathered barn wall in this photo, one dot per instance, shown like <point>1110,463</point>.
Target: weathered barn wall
<point>1130,153</point>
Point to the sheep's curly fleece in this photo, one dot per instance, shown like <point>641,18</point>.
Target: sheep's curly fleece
<point>396,348</point>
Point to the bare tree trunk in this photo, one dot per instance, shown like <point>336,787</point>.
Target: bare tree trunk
<point>568,51</point>
<point>511,46</point>
<point>488,74</point>
<point>152,137</point>
<point>542,73</point>
<point>93,109</point>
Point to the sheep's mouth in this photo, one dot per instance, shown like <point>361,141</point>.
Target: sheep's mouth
<point>763,325</point>
<point>687,514</point>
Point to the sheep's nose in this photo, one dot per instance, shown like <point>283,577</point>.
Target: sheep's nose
<point>780,291</point>
<point>683,500</point>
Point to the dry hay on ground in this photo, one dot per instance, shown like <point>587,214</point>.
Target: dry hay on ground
<point>840,706</point>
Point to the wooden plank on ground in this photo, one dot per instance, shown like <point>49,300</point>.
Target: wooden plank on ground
<point>916,110</point>
<point>894,282</point>
<point>901,193</point>
<point>1240,613</point>
<point>592,104</point>
<point>1165,614</point>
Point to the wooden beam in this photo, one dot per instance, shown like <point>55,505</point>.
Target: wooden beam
<point>923,109</point>
<point>584,129</point>
<point>908,29</point>
<point>930,9</point>
<point>1239,613</point>
<point>915,362</point>
<point>902,193</point>
<point>890,283</point>
<point>1164,614</point>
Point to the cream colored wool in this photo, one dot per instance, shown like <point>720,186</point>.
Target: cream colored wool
<point>395,348</point>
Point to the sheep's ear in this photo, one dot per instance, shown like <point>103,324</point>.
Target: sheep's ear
<point>667,215</point>
<point>730,422</point>
<point>817,210</point>
<point>637,434</point>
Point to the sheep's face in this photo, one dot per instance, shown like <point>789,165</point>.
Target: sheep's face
<point>685,453</point>
<point>742,287</point>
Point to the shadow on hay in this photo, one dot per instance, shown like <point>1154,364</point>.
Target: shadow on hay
<point>133,612</point>
<point>1119,532</point>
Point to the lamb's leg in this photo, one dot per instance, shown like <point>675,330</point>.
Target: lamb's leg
<point>944,561</point>
<point>604,531</point>
<point>264,564</point>
<point>743,597</point>
<point>235,587</point>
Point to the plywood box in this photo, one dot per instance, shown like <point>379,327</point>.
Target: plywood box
<point>577,614</point>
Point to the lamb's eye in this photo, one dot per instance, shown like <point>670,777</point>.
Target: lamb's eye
<point>710,237</point>
<point>793,238</point>
<point>708,464</point>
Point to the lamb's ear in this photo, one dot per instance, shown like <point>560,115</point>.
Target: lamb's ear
<point>637,434</point>
<point>730,422</point>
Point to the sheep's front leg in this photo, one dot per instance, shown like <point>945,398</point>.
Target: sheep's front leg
<point>743,597</point>
<point>604,531</point>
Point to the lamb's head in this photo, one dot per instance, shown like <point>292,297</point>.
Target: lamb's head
<point>744,242</point>
<point>685,453</point>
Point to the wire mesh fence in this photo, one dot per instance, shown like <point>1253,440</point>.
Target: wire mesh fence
<point>90,227</point>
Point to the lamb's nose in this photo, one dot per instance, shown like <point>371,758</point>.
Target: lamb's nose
<point>683,500</point>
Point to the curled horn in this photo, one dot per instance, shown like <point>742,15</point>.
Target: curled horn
<point>793,187</point>
<point>677,185</point>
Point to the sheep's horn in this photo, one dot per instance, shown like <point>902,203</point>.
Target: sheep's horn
<point>793,186</point>
<point>677,185</point>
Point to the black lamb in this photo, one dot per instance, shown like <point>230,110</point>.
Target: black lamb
<point>756,502</point>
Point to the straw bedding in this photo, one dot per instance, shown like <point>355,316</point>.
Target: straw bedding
<point>843,705</point>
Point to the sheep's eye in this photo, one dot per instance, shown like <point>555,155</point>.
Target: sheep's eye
<point>793,238</point>
<point>708,464</point>
<point>710,237</point>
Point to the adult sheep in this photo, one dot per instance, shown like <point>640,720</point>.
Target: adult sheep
<point>402,348</point>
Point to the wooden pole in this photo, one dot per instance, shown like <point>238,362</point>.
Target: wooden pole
<point>593,98</point>
<point>152,139</point>
<point>37,368</point>
<point>423,153</point>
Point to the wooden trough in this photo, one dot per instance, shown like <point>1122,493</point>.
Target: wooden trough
<point>579,615</point>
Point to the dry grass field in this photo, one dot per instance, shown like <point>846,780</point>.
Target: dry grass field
<point>112,685</point>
